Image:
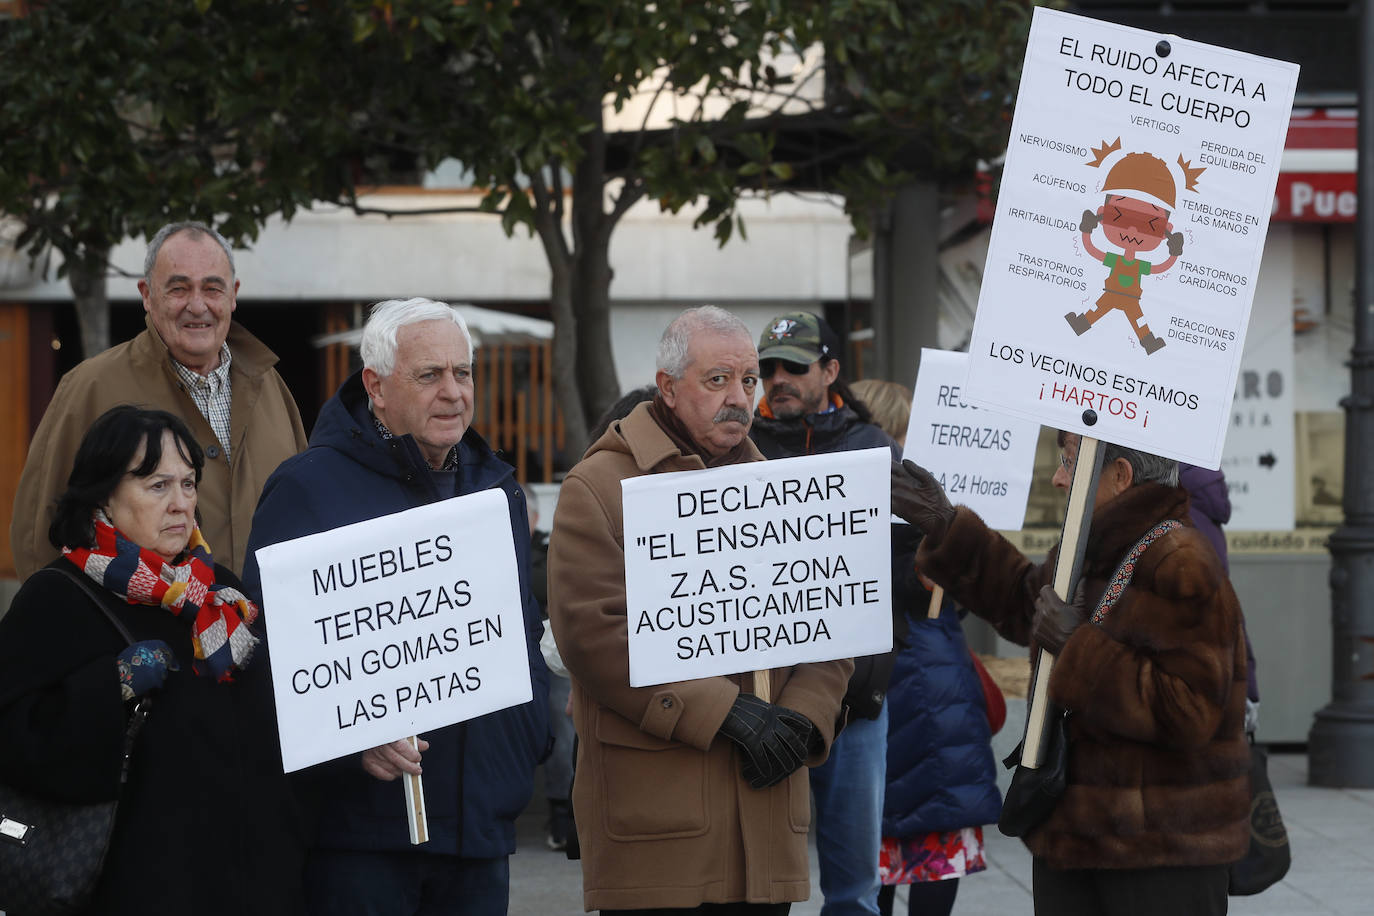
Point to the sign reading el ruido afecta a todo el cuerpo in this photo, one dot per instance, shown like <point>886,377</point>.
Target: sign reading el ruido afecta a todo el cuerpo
<point>1125,249</point>
<point>391,627</point>
<point>758,565</point>
<point>983,459</point>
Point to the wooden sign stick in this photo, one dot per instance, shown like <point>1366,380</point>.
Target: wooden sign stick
<point>763,686</point>
<point>1077,519</point>
<point>937,598</point>
<point>415,804</point>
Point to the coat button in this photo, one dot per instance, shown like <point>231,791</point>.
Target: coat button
<point>212,452</point>
<point>667,702</point>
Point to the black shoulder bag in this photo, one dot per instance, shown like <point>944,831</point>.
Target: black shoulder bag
<point>52,852</point>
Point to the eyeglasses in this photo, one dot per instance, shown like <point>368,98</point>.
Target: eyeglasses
<point>768,366</point>
<point>1065,463</point>
<point>1134,219</point>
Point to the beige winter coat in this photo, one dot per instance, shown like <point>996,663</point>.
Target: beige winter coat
<point>663,814</point>
<point>265,430</point>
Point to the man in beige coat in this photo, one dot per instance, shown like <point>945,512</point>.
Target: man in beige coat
<point>193,361</point>
<point>693,792</point>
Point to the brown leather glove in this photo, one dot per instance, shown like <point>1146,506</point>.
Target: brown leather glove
<point>1055,620</point>
<point>918,498</point>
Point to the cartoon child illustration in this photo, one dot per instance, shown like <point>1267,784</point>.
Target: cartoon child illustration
<point>1140,196</point>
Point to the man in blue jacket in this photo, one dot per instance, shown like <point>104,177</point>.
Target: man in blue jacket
<point>395,436</point>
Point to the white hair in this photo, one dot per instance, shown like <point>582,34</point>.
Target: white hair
<point>196,229</point>
<point>387,318</point>
<point>672,346</point>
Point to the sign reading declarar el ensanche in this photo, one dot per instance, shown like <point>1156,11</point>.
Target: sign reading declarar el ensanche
<point>394,626</point>
<point>758,565</point>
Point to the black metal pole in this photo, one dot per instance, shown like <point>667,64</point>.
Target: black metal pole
<point>1340,746</point>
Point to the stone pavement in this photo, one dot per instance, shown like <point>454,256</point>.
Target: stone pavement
<point>1331,833</point>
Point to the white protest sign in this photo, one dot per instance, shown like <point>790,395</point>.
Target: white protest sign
<point>983,459</point>
<point>391,627</point>
<point>1126,244</point>
<point>758,565</point>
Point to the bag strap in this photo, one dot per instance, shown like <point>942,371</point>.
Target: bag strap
<point>145,703</point>
<point>1122,577</point>
<point>83,583</point>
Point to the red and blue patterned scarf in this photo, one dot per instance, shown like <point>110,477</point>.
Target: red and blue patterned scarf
<point>217,614</point>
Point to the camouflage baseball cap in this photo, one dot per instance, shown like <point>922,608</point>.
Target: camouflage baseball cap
<point>800,337</point>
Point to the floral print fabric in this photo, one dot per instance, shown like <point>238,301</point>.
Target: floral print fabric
<point>932,856</point>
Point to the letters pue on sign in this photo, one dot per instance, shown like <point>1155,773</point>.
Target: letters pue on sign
<point>391,627</point>
<point>1126,243</point>
<point>758,565</point>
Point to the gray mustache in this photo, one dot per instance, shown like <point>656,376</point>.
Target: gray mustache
<point>737,414</point>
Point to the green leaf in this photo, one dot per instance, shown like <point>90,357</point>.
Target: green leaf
<point>706,149</point>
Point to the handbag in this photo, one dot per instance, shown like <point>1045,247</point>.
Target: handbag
<point>52,852</point>
<point>1268,858</point>
<point>993,700</point>
<point>1033,793</point>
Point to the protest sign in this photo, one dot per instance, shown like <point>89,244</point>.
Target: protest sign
<point>1126,244</point>
<point>390,627</point>
<point>758,565</point>
<point>982,458</point>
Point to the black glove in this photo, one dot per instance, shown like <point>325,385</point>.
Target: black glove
<point>919,498</point>
<point>1056,620</point>
<point>774,739</point>
<point>1176,244</point>
<point>1089,221</point>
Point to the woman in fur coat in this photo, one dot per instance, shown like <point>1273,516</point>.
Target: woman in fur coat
<point>1157,801</point>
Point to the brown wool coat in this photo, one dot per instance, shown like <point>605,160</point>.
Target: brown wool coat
<point>264,429</point>
<point>1158,763</point>
<point>664,817</point>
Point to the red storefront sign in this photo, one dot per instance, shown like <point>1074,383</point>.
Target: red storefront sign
<point>1315,197</point>
<point>1317,180</point>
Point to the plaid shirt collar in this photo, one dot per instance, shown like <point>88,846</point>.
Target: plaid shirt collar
<point>212,393</point>
<point>450,461</point>
<point>216,378</point>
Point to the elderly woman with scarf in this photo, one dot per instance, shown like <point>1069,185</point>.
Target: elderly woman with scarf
<point>205,823</point>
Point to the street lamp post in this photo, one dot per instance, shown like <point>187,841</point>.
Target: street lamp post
<point>1341,742</point>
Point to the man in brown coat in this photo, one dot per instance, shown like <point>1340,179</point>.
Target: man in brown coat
<point>193,361</point>
<point>1157,803</point>
<point>695,792</point>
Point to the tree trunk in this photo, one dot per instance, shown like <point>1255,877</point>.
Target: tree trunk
<point>591,278</point>
<point>565,382</point>
<point>548,225</point>
<point>87,278</point>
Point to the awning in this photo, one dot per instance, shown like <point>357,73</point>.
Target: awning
<point>487,326</point>
<point>1317,176</point>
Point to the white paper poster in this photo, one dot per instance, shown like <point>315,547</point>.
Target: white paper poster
<point>983,459</point>
<point>394,626</point>
<point>1126,244</point>
<point>758,565</point>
